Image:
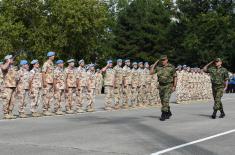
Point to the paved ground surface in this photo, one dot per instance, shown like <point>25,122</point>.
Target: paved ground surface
<point>126,132</point>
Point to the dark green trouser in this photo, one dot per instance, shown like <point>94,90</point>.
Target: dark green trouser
<point>165,94</point>
<point>218,92</point>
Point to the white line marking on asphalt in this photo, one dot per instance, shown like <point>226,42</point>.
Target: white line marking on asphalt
<point>193,142</point>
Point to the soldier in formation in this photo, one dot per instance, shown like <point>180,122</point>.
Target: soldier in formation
<point>128,85</point>
<point>192,85</point>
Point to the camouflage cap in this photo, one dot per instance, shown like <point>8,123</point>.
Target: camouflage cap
<point>163,57</point>
<point>134,63</point>
<point>8,57</point>
<point>70,61</point>
<point>217,59</point>
<point>119,60</point>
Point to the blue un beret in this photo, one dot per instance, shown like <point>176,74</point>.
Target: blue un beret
<point>23,62</point>
<point>59,61</point>
<point>50,54</point>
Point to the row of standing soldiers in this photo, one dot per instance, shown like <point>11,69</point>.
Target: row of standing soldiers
<point>129,87</point>
<point>192,85</point>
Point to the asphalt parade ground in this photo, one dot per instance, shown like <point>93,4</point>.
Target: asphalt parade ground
<point>191,131</point>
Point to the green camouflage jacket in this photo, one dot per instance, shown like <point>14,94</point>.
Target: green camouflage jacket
<point>218,75</point>
<point>166,74</point>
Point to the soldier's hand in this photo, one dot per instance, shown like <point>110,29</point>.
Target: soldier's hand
<point>173,89</point>
<point>44,85</point>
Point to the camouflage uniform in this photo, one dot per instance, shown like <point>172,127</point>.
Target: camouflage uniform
<point>155,98</point>
<point>148,78</point>
<point>99,83</point>
<point>1,82</point>
<point>82,76</point>
<point>71,87</point>
<point>48,69</point>
<point>218,77</point>
<point>91,90</point>
<point>141,88</point>
<point>35,88</point>
<point>108,85</point>
<point>127,86</point>
<point>59,87</point>
<point>9,85</point>
<point>134,87</point>
<point>22,88</point>
<point>118,86</point>
<point>166,76</point>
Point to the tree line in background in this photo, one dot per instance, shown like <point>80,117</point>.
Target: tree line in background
<point>190,32</point>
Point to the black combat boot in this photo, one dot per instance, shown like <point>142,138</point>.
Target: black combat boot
<point>213,116</point>
<point>222,114</point>
<point>163,116</point>
<point>168,114</point>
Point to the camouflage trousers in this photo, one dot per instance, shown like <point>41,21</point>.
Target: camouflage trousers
<point>126,95</point>
<point>82,95</point>
<point>34,97</point>
<point>48,93</point>
<point>142,95</point>
<point>8,99</point>
<point>134,96</point>
<point>58,99</point>
<point>98,89</point>
<point>117,92</point>
<point>108,96</point>
<point>70,98</point>
<point>148,95</point>
<point>218,92</point>
<point>155,98</point>
<point>165,94</point>
<point>91,98</point>
<point>21,94</point>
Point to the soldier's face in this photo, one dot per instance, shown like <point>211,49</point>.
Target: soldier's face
<point>110,64</point>
<point>146,65</point>
<point>141,65</point>
<point>61,65</point>
<point>128,63</point>
<point>135,66</point>
<point>71,64</point>
<point>218,63</point>
<point>26,66</point>
<point>82,64</point>
<point>164,62</point>
<point>119,63</point>
<point>92,69</point>
<point>37,65</point>
<point>52,57</point>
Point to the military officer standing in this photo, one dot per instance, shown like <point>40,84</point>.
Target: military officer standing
<point>82,77</point>
<point>35,86</point>
<point>59,86</point>
<point>118,86</point>
<point>109,81</point>
<point>91,88</point>
<point>22,86</point>
<point>134,84</point>
<point>1,79</point>
<point>9,87</point>
<point>71,86</point>
<point>47,79</point>
<point>141,87</point>
<point>167,83</point>
<point>99,82</point>
<point>219,79</point>
<point>148,78</point>
<point>127,84</point>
